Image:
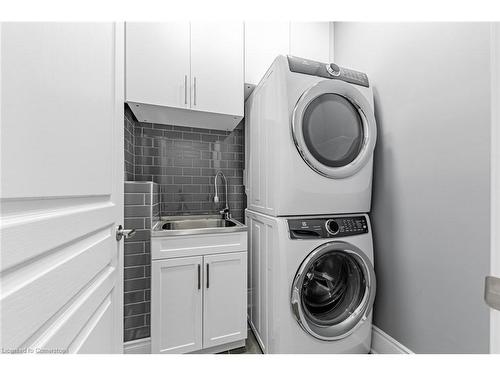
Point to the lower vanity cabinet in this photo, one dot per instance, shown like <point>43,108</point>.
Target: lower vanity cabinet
<point>198,303</point>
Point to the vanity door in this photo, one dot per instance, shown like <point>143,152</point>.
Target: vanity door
<point>176,305</point>
<point>225,298</point>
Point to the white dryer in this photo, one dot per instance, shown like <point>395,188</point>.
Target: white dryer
<point>311,283</point>
<point>310,136</point>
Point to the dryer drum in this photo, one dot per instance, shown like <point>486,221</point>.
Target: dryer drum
<point>333,290</point>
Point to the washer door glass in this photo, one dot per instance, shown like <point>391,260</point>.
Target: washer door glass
<point>333,290</point>
<point>332,130</point>
<point>333,287</point>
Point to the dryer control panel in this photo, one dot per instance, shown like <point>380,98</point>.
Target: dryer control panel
<point>332,71</point>
<point>327,227</point>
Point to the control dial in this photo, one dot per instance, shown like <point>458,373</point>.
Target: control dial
<point>332,226</point>
<point>333,69</point>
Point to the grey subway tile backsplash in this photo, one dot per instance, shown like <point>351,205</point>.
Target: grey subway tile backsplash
<point>141,208</point>
<point>186,161</point>
<point>134,297</point>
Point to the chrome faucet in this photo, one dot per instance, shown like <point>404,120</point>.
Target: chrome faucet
<point>226,214</point>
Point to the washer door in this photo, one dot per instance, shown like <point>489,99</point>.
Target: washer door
<point>333,290</point>
<point>334,128</point>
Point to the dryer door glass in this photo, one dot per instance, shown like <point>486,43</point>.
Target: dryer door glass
<point>333,288</point>
<point>332,130</point>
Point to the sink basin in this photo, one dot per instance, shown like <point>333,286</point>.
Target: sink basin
<point>200,224</point>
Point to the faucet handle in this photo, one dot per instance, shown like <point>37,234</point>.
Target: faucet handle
<point>225,213</point>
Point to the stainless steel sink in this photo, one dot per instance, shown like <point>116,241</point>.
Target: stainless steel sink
<point>200,224</point>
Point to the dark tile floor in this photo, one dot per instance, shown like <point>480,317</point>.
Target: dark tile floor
<point>251,346</point>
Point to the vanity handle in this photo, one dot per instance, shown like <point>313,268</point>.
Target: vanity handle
<point>199,276</point>
<point>208,275</point>
<point>195,91</point>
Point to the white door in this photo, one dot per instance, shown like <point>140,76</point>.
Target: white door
<point>176,305</point>
<point>61,187</point>
<point>495,179</point>
<point>264,41</point>
<point>217,67</point>
<point>225,298</point>
<point>157,68</point>
<point>310,40</point>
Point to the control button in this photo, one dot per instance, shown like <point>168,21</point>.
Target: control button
<point>332,226</point>
<point>333,69</point>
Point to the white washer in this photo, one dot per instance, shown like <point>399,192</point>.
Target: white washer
<point>310,135</point>
<point>311,283</point>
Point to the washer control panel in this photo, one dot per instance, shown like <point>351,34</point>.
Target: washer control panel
<point>327,227</point>
<point>332,71</point>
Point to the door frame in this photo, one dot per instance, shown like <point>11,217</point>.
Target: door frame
<point>495,177</point>
<point>119,175</point>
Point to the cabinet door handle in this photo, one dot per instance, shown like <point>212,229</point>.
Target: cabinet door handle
<point>186,89</point>
<point>194,90</point>
<point>208,276</point>
<point>199,276</point>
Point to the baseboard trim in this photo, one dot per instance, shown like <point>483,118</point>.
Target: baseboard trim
<point>382,343</point>
<point>141,346</point>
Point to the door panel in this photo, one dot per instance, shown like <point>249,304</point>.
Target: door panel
<point>62,186</point>
<point>176,305</point>
<point>217,67</point>
<point>224,314</point>
<point>97,335</point>
<point>158,63</point>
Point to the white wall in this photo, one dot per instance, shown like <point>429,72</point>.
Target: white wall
<point>431,201</point>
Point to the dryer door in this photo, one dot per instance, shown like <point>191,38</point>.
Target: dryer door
<point>333,290</point>
<point>334,128</point>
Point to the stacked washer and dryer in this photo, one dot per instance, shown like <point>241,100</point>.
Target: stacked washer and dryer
<point>310,135</point>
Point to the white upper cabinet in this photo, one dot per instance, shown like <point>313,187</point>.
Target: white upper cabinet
<point>263,42</point>
<point>266,40</point>
<point>158,63</point>
<point>217,67</point>
<point>310,40</point>
<point>189,74</point>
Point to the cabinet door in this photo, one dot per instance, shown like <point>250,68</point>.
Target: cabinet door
<point>157,63</point>
<point>264,41</point>
<point>176,305</point>
<point>310,40</point>
<point>217,67</point>
<point>225,301</point>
